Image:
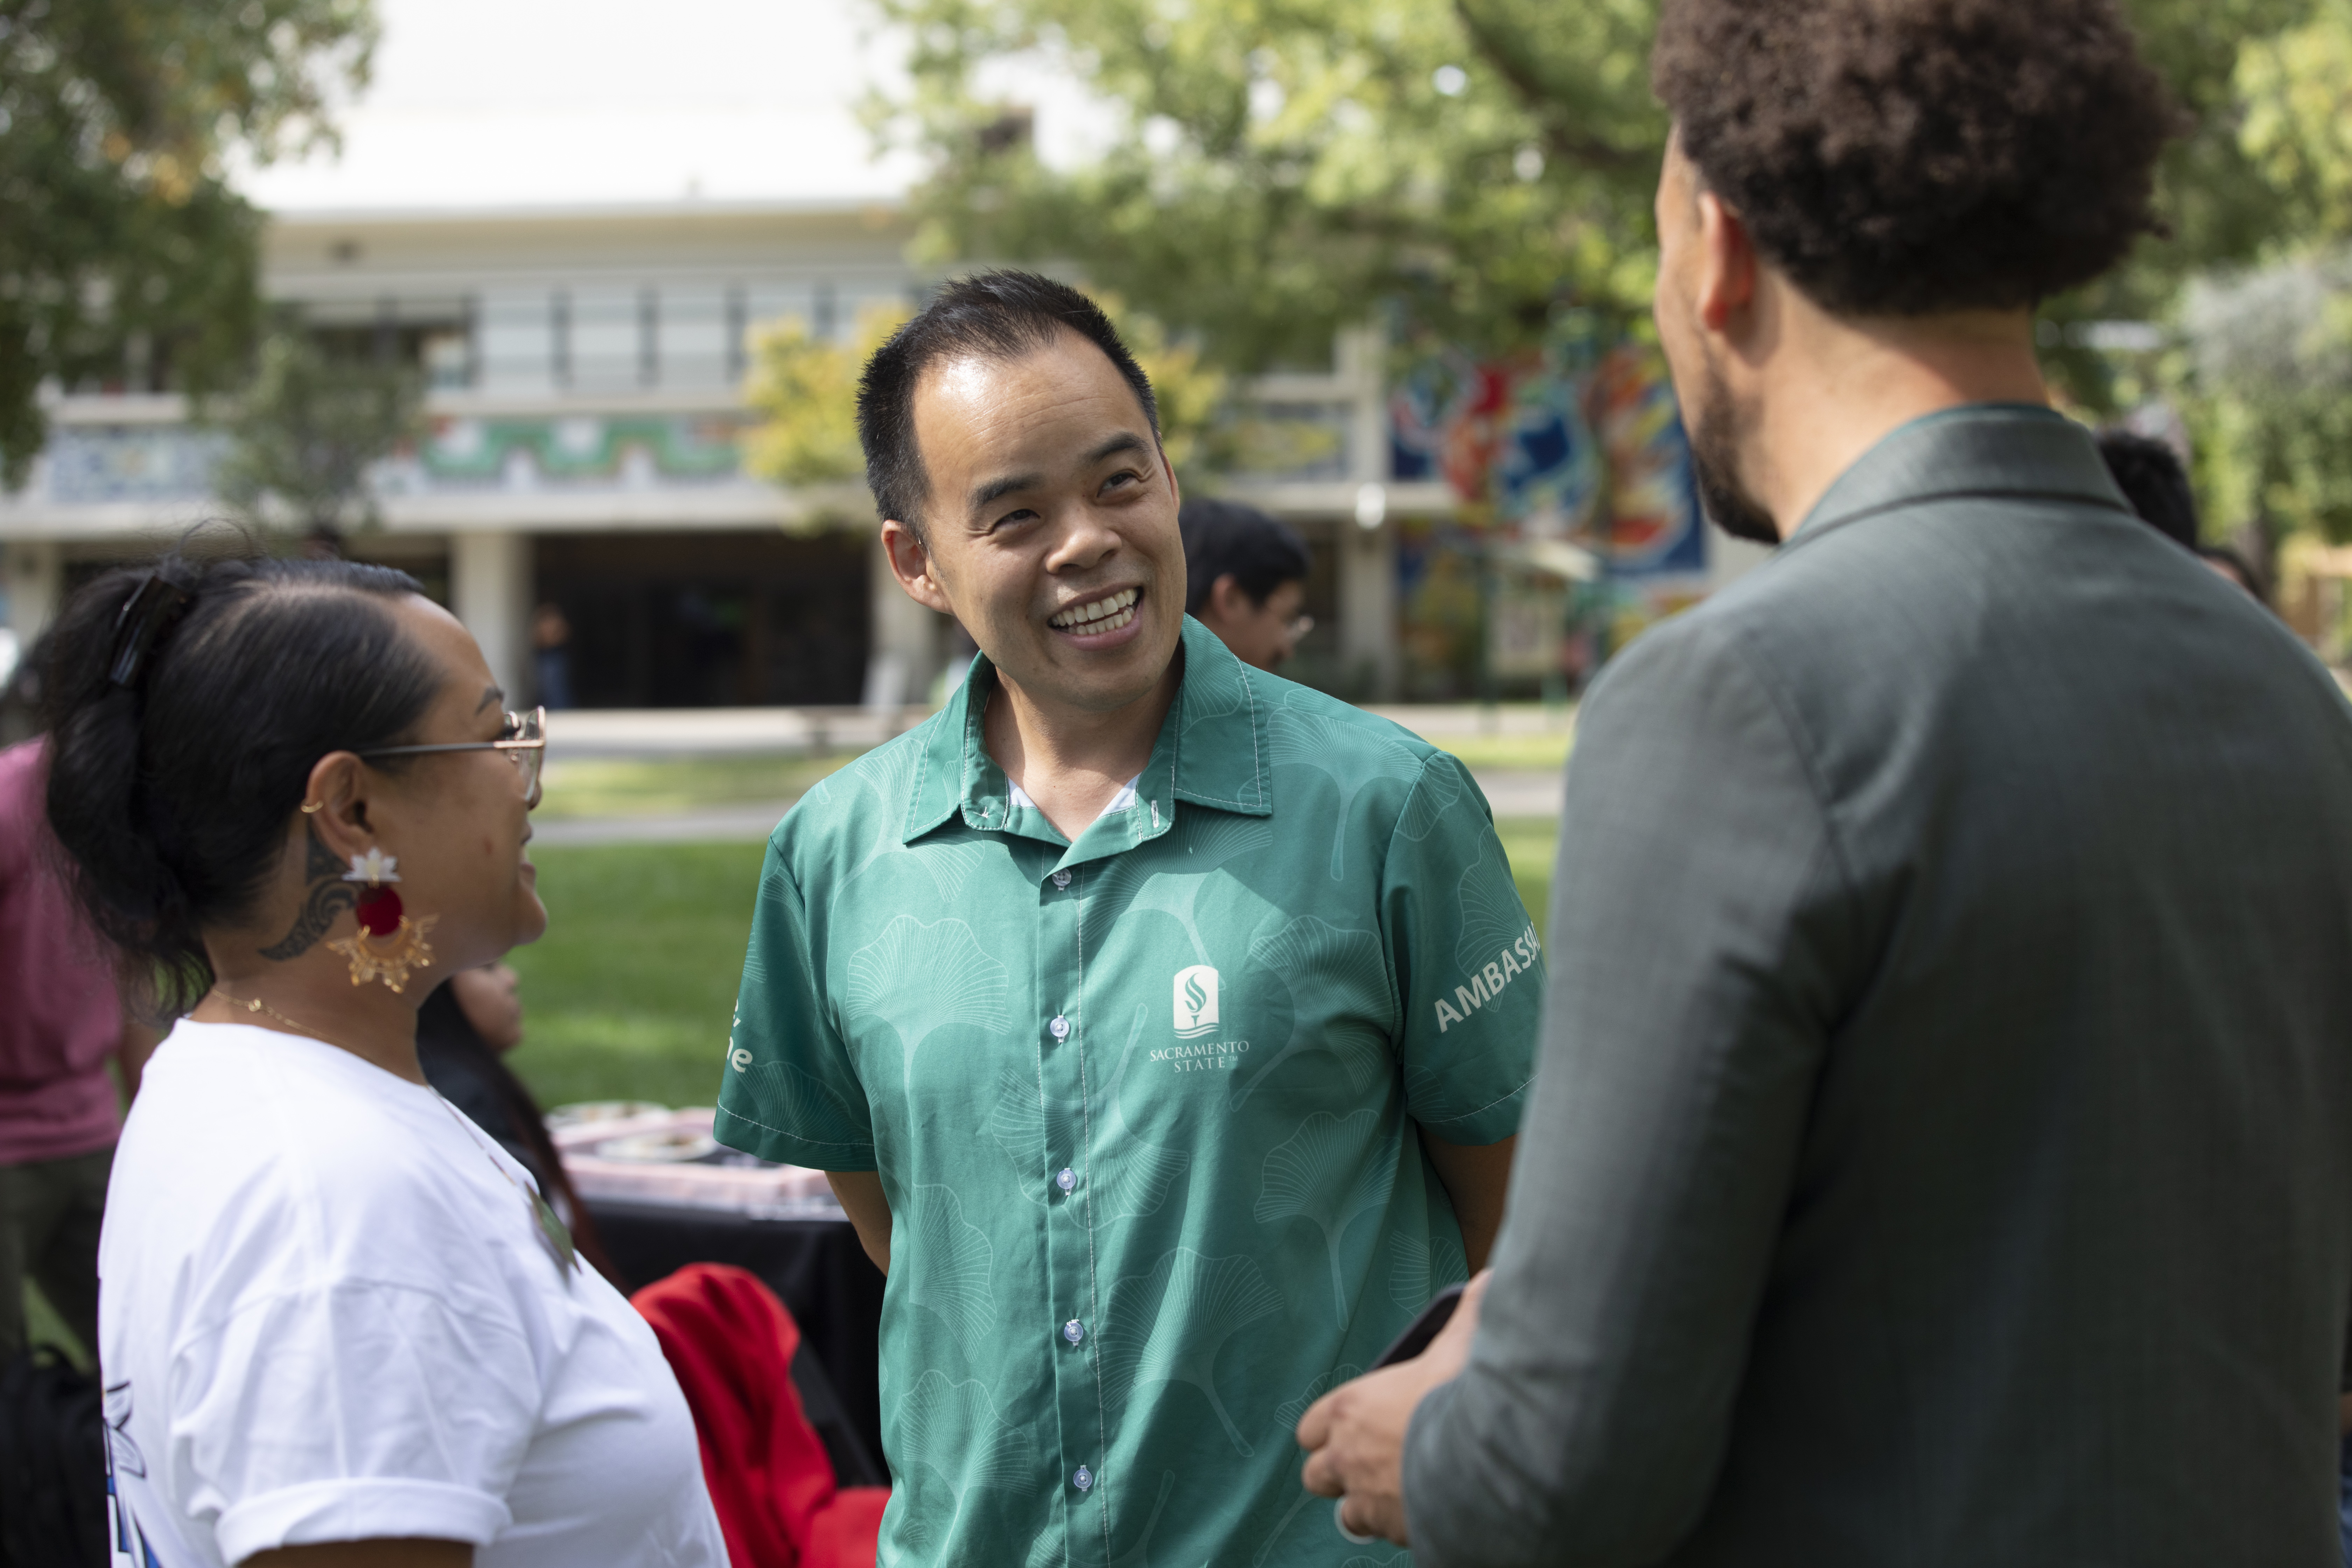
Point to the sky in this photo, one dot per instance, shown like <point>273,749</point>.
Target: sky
<point>503,103</point>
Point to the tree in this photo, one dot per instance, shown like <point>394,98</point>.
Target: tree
<point>304,434</point>
<point>125,257</point>
<point>1281,168</point>
<point>1284,169</point>
<point>2266,380</point>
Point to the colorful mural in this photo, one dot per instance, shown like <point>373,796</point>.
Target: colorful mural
<point>583,449</point>
<point>1580,440</point>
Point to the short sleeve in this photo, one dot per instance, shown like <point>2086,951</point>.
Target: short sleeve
<point>789,1091</point>
<point>1468,965</point>
<point>352,1410</point>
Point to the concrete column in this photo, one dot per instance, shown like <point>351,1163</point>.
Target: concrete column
<point>491,589</point>
<point>34,585</point>
<point>1368,605</point>
<point>902,656</point>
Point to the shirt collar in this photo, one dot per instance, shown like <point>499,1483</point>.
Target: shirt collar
<point>1212,750</point>
<point>2013,450</point>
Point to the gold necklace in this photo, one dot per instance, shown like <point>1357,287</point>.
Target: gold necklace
<point>551,1229</point>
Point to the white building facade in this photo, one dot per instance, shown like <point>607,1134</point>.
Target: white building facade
<point>584,369</point>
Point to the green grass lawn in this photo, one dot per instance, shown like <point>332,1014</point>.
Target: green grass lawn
<point>629,994</point>
<point>669,786</point>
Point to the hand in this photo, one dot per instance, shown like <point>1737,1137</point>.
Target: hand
<point>1354,1436</point>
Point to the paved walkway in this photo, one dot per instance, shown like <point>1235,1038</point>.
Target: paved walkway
<point>723,732</point>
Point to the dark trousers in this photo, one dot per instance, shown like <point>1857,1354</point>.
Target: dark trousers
<point>49,1214</point>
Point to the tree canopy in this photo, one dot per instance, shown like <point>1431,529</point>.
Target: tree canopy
<point>125,257</point>
<point>1284,167</point>
<point>304,433</point>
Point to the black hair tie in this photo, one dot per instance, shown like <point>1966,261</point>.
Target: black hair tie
<point>151,612</point>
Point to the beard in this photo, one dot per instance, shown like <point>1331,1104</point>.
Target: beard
<point>1714,428</point>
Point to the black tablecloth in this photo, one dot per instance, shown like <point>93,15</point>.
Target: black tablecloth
<point>816,1267</point>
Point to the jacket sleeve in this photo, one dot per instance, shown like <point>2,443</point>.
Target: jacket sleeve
<point>1700,928</point>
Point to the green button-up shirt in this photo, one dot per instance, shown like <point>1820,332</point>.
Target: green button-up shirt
<point>1142,1105</point>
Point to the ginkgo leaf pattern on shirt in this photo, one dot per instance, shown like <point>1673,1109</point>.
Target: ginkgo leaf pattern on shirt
<point>917,951</point>
<point>1418,1271</point>
<point>1210,840</point>
<point>885,772</point>
<point>1492,916</point>
<point>1168,1326</point>
<point>1314,739</point>
<point>1146,1170</point>
<point>1307,1177</point>
<point>948,1261</point>
<point>952,1431</point>
<point>919,979</point>
<point>1139,1555</point>
<point>1017,1124</point>
<point>787,1097</point>
<point>1286,1419</point>
<point>951,865</point>
<point>1345,971</point>
<point>1437,794</point>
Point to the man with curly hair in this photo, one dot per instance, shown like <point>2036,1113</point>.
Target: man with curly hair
<point>1941,1147</point>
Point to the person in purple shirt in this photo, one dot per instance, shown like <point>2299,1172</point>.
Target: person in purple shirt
<point>59,1110</point>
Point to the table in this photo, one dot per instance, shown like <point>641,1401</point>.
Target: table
<point>814,1266</point>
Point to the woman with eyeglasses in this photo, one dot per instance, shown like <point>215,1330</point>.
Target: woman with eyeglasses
<point>339,1325</point>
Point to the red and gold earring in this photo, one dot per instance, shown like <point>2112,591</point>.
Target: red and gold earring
<point>388,944</point>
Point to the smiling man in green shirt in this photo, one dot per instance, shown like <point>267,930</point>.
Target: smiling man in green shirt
<point>1162,1026</point>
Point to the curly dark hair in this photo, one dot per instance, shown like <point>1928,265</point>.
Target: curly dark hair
<point>1904,157</point>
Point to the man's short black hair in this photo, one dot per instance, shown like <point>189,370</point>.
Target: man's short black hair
<point>1907,157</point>
<point>996,315</point>
<point>2149,474</point>
<point>1224,536</point>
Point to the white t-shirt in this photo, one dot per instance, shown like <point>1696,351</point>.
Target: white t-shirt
<point>326,1313</point>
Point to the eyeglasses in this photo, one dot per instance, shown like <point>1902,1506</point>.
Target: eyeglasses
<point>523,740</point>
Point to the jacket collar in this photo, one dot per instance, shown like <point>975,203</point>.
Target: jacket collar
<point>2006,450</point>
<point>1212,750</point>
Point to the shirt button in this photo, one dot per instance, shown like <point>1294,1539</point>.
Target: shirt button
<point>1059,1028</point>
<point>1074,1330</point>
<point>1065,1178</point>
<point>1083,1478</point>
<point>1060,879</point>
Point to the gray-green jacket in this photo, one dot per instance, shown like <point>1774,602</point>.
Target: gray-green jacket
<point>1941,1145</point>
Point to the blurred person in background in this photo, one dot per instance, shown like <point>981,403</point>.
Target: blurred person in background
<point>1245,579</point>
<point>60,1024</point>
<point>1917,1169</point>
<point>551,655</point>
<point>2150,475</point>
<point>464,1031</point>
<point>339,1326</point>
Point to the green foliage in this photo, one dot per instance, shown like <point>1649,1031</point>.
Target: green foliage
<point>806,389</point>
<point>1288,167</point>
<point>305,430</point>
<point>124,256</point>
<point>2265,381</point>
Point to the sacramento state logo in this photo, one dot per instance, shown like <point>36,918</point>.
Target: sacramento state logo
<point>1196,1002</point>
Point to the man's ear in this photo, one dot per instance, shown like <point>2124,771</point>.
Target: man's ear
<point>1727,265</point>
<point>910,562</point>
<point>1226,602</point>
